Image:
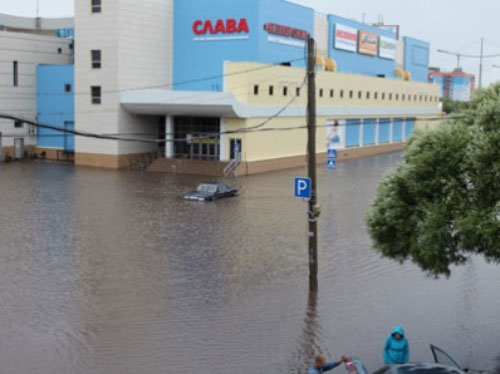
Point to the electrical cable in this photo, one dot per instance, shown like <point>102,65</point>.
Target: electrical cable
<point>176,84</point>
<point>122,137</point>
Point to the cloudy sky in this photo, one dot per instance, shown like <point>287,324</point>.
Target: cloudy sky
<point>452,25</point>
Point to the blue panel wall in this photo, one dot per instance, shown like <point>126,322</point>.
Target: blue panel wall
<point>384,130</point>
<point>287,14</point>
<point>55,106</point>
<point>409,127</point>
<point>416,59</point>
<point>352,132</point>
<point>397,130</point>
<point>195,60</point>
<point>369,131</point>
<point>198,59</point>
<point>351,62</point>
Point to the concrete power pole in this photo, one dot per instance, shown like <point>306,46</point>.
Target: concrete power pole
<point>313,212</point>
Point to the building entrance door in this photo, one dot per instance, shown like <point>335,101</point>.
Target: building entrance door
<point>18,148</point>
<point>235,149</point>
<point>197,138</point>
<point>69,137</point>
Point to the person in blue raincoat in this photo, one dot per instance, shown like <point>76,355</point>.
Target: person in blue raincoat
<point>396,348</point>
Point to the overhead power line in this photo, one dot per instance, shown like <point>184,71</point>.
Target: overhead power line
<point>135,137</point>
<point>172,84</point>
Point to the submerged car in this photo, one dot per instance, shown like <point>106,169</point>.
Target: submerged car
<point>443,364</point>
<point>210,191</point>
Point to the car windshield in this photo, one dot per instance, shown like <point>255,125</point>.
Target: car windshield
<point>205,187</point>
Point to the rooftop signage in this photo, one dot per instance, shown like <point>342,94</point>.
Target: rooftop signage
<point>346,38</point>
<point>273,28</point>
<point>221,29</point>
<point>387,48</point>
<point>368,43</point>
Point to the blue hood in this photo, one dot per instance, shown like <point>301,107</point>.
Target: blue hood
<point>398,330</point>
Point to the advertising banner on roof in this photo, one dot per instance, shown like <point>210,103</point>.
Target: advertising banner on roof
<point>346,38</point>
<point>368,43</point>
<point>387,48</point>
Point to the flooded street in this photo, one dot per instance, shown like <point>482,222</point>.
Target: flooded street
<point>114,273</point>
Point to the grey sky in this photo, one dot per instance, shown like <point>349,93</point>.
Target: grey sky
<point>453,25</point>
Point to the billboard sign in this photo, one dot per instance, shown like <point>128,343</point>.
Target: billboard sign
<point>387,48</point>
<point>346,38</point>
<point>335,135</point>
<point>368,43</point>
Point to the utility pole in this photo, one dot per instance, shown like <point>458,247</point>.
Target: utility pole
<point>313,212</point>
<point>481,65</point>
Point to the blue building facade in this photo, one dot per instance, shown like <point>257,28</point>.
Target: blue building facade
<point>416,58</point>
<point>208,33</point>
<point>55,106</point>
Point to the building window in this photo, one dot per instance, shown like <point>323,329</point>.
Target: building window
<point>297,91</point>
<point>320,92</point>
<point>331,93</point>
<point>67,87</point>
<point>360,94</point>
<point>271,90</point>
<point>15,73</point>
<point>96,6</point>
<point>351,93</point>
<point>390,96</point>
<point>96,94</point>
<point>383,95</point>
<point>18,124</point>
<point>285,91</point>
<point>367,95</point>
<point>59,50</point>
<point>95,55</point>
<point>397,97</point>
<point>375,95</point>
<point>256,89</point>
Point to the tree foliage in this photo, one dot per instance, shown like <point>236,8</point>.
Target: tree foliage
<point>442,204</point>
<point>452,106</point>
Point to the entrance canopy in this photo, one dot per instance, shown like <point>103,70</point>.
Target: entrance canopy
<point>178,103</point>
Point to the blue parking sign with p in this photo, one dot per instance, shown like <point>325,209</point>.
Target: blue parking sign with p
<point>302,187</point>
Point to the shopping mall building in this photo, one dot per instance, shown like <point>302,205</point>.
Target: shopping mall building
<point>201,80</point>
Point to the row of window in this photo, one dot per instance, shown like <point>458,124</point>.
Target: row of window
<point>370,131</point>
<point>360,94</point>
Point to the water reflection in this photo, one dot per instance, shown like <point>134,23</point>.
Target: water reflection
<point>113,272</point>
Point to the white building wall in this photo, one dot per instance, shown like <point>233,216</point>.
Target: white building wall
<point>28,50</point>
<point>136,41</point>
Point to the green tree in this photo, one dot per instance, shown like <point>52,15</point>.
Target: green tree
<point>442,203</point>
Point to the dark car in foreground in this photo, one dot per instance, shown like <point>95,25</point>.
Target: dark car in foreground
<point>444,364</point>
<point>210,191</point>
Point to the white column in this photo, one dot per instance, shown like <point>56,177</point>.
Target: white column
<point>222,140</point>
<point>169,137</point>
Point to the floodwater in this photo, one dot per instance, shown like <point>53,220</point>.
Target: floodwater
<point>113,272</point>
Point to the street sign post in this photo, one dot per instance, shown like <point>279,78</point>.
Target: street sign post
<point>332,153</point>
<point>302,188</point>
<point>331,163</point>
